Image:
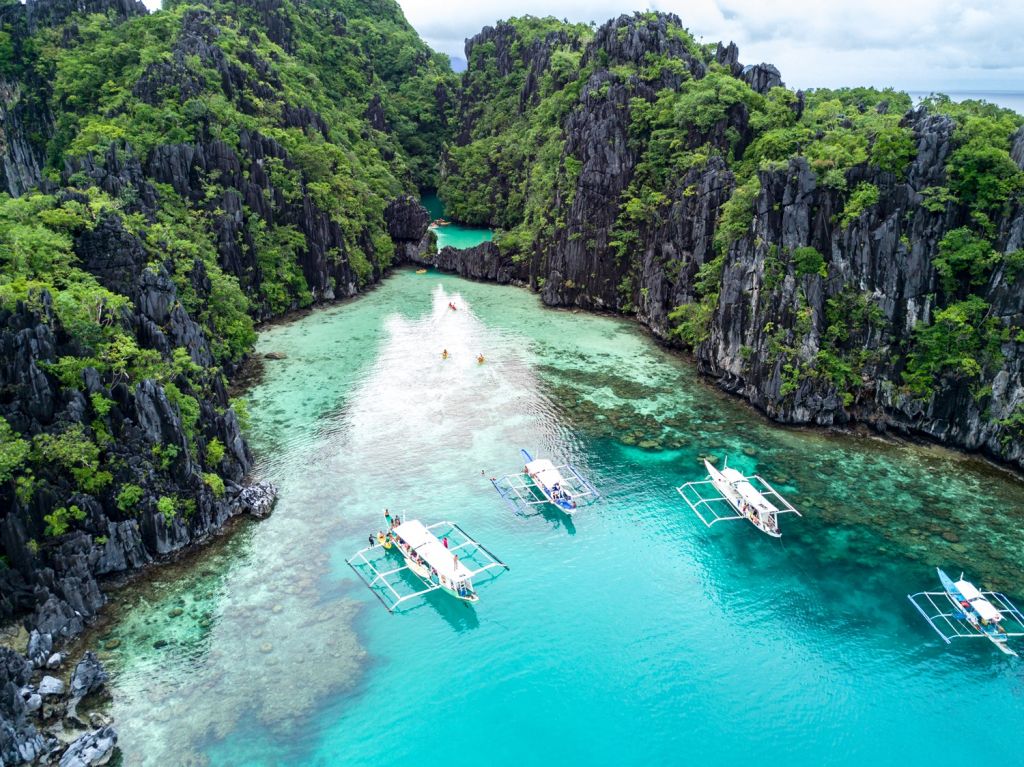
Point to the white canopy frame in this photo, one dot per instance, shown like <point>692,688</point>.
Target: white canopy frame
<point>713,509</point>
<point>368,564</point>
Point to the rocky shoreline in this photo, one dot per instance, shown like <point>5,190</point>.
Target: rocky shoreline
<point>51,712</point>
<point>481,262</point>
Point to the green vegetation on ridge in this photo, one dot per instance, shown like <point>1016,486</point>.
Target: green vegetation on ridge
<point>356,107</point>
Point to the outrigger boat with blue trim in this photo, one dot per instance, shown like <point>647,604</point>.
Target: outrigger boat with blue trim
<point>448,563</point>
<point>975,613</point>
<point>541,482</point>
<point>738,497</point>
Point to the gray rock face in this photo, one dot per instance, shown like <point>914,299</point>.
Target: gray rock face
<point>407,220</point>
<point>50,685</point>
<point>481,262</point>
<point>25,116</point>
<point>257,500</point>
<point>1017,149</point>
<point>407,225</point>
<point>761,77</point>
<point>93,748</point>
<point>19,740</point>
<point>88,677</point>
<point>40,647</point>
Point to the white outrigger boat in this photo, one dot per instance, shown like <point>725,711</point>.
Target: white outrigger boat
<point>738,497</point>
<point>447,563</point>
<point>541,482</point>
<point>975,613</point>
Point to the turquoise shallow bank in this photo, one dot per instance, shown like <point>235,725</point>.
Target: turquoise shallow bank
<point>455,235</point>
<point>632,635</point>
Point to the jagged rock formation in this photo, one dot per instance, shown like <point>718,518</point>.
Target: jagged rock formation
<point>58,580</point>
<point>481,262</point>
<point>19,740</point>
<point>621,229</point>
<point>407,222</point>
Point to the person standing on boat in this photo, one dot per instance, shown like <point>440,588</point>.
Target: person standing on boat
<point>445,541</point>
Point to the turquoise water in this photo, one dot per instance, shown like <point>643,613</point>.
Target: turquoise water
<point>628,635</point>
<point>454,235</point>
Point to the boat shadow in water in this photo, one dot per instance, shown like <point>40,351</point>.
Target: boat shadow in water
<point>461,616</point>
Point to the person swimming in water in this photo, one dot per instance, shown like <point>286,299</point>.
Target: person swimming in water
<point>444,354</point>
<point>480,359</point>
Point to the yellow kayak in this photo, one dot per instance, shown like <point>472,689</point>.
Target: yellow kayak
<point>421,271</point>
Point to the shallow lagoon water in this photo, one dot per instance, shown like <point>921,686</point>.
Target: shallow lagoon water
<point>454,235</point>
<point>628,635</point>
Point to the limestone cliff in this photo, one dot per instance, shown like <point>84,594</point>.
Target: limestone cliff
<point>813,304</point>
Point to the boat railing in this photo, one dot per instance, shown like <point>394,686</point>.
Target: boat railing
<point>951,623</point>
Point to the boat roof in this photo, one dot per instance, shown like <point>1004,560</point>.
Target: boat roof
<point>545,472</point>
<point>978,601</point>
<point>742,486</point>
<point>426,544</point>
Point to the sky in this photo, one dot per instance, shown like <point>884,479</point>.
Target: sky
<point>914,45</point>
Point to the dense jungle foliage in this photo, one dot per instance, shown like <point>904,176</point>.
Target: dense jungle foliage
<point>332,109</point>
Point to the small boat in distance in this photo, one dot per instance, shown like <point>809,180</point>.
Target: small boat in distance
<point>541,482</point>
<point>738,497</point>
<point>447,563</point>
<point>975,613</point>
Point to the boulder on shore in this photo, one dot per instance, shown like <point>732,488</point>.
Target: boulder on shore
<point>89,676</point>
<point>257,500</point>
<point>93,748</point>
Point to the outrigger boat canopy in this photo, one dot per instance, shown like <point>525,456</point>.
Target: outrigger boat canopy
<point>961,611</point>
<point>727,495</point>
<point>542,482</point>
<point>433,564</point>
<point>432,551</point>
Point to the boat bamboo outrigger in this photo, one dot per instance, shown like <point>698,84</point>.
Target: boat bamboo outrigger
<point>737,497</point>
<point>447,563</point>
<point>974,613</point>
<point>541,482</point>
